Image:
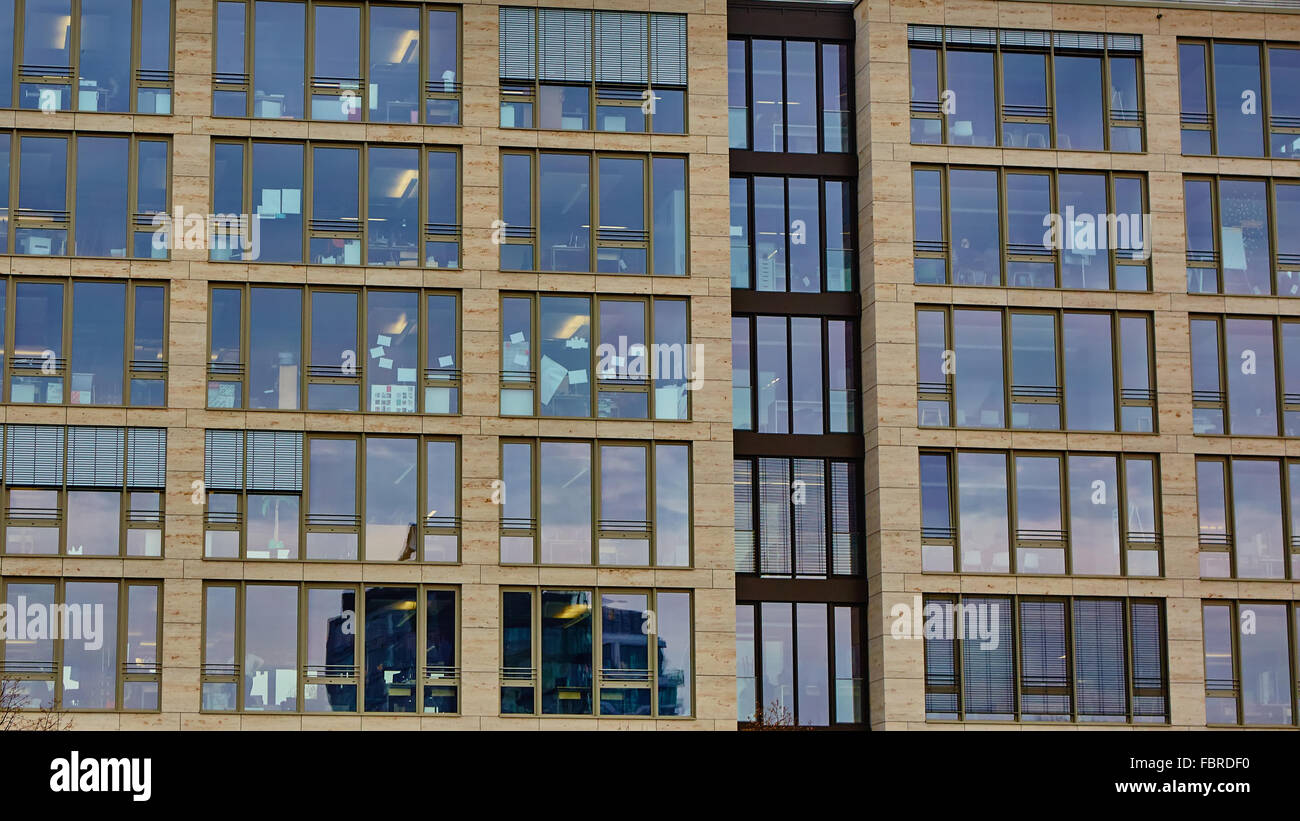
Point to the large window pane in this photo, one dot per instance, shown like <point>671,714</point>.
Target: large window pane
<point>982,502</point>
<point>394,93</point>
<point>565,356</point>
<point>275,339</point>
<point>814,665</point>
<point>566,672</point>
<point>1257,519</point>
<point>332,497</point>
<point>393,208</point>
<point>98,343</point>
<point>336,205</point>
<point>42,191</point>
<point>565,212</point>
<point>330,633</point>
<point>391,350</point>
<point>392,506</point>
<point>277,197</point>
<point>565,500</point>
<point>270,648</point>
<point>1085,262</point>
<point>90,662</point>
<point>38,338</point>
<point>801,97</point>
<point>973,221</point>
<point>333,350</point>
<point>768,115</point>
<point>279,32</point>
<point>773,375</point>
<point>1252,389</point>
<point>1079,117</point>
<point>1238,126</point>
<point>105,64</point>
<point>390,652</point>
<point>806,374</point>
<point>669,185</point>
<point>1094,515</point>
<point>1266,690</point>
<point>1243,228</point>
<point>977,380</point>
<point>1089,372</point>
<point>970,77</point>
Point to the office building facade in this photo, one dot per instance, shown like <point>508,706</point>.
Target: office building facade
<point>672,365</point>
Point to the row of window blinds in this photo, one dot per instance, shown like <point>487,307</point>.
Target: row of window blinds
<point>1019,38</point>
<point>557,45</point>
<point>77,456</point>
<point>255,460</point>
<point>1101,661</point>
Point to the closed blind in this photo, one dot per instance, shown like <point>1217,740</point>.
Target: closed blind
<point>275,460</point>
<point>223,459</point>
<point>940,667</point>
<point>146,457</point>
<point>517,40</point>
<point>564,52</point>
<point>621,48</point>
<point>774,516</point>
<point>743,479</point>
<point>1100,680</point>
<point>1043,659</point>
<point>988,686</point>
<point>844,545</point>
<point>810,518</point>
<point>667,49</point>
<point>34,455</point>
<point>96,456</point>
<point>1148,661</point>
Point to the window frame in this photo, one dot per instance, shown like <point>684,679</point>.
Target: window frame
<point>232,674</point>
<point>1212,260</point>
<point>65,220</point>
<point>1226,543</point>
<point>1132,687</point>
<point>126,672</point>
<point>425,232</point>
<point>601,528</point>
<point>976,40</point>
<point>1220,400</point>
<point>1128,539</point>
<point>1055,395</point>
<point>245,82</point>
<point>1219,688</point>
<point>819,44</point>
<point>139,78</point>
<point>1191,121</point>
<point>530,235</point>
<point>237,521</point>
<point>1008,253</point>
<point>531,677</point>
<point>426,376</point>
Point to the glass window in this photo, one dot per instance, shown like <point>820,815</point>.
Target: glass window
<point>230,66</point>
<point>925,95</point>
<point>740,247</point>
<point>47,43</point>
<point>152,180</point>
<point>224,347</point>
<point>1244,229</point>
<point>517,504</point>
<point>1080,123</point>
<point>517,652</point>
<point>566,647</point>
<point>391,350</point>
<point>672,522</point>
<point>1266,688</point>
<point>153,94</point>
<point>38,343</point>
<point>670,235</point>
<point>270,648</point>
<point>806,374</point>
<point>7,43</point>
<point>742,383</point>
<point>1284,108</point>
<point>840,220</point>
<point>442,237</point>
<point>279,33</point>
<point>330,649</point>
<point>977,380</point>
<point>766,65</point>
<point>1198,205</point>
<point>1039,529</point>
<point>277,194</point>
<point>102,164</point>
<point>90,666</point>
<point>1089,372</point>
<point>970,78</point>
<point>1238,126</point>
<point>1192,95</point>
<point>564,201</point>
<point>565,501</point>
<point>1257,519</point>
<point>936,513</point>
<point>973,220</point>
<point>1135,374</point>
<point>773,366</point>
<point>394,93</point>
<point>927,226</point>
<point>275,340</point>
<point>392,504</point>
<point>770,233</point>
<point>982,502</point>
<point>1035,386</point>
<point>565,356</point>
<point>1094,515</point>
<point>331,498</point>
<point>805,240</point>
<point>621,228</point>
<point>988,689</point>
<point>623,499</point>
<point>105,62</point>
<point>1212,516</point>
<point>98,343</point>
<point>441,501</point>
<point>1044,661</point>
<point>1085,262</point>
<point>737,95</point>
<point>444,67</point>
<point>814,668</point>
<point>443,332</point>
<point>390,650</point>
<point>801,97</point>
<point>336,206</point>
<point>1024,96</point>
<point>1252,389</point>
<point>440,652</point>
<point>42,192</point>
<point>331,385</point>
<point>837,113</point>
<point>393,207</point>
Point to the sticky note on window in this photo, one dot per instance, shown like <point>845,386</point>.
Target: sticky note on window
<point>578,377</point>
<point>516,337</point>
<point>444,361</point>
<point>381,339</point>
<point>386,363</point>
<point>406,374</point>
<point>375,353</point>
